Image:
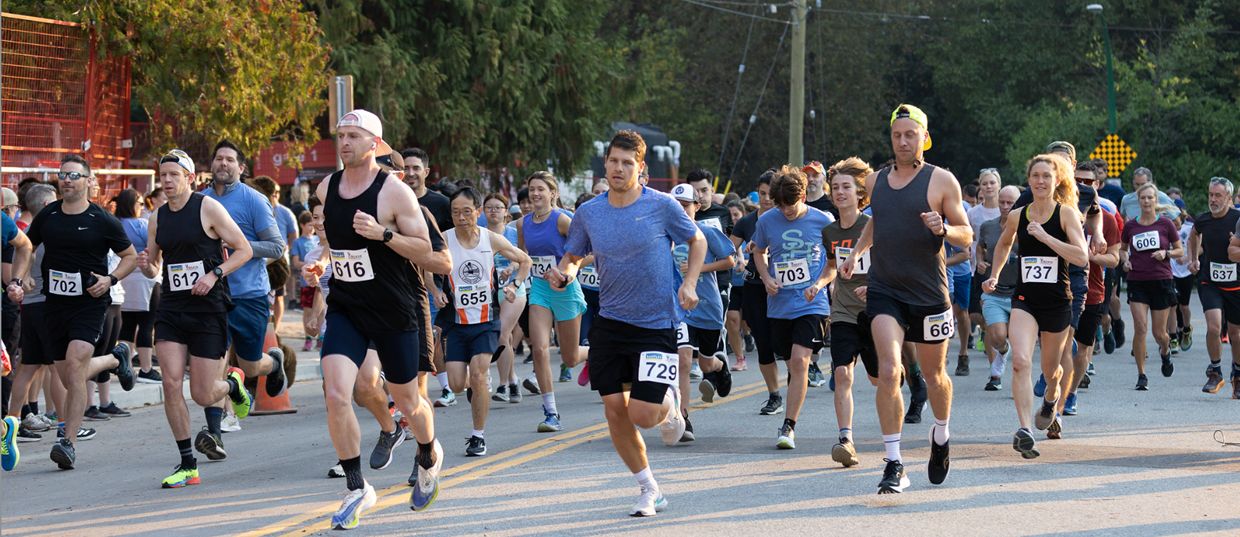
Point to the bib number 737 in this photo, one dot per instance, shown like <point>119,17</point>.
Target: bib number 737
<point>660,367</point>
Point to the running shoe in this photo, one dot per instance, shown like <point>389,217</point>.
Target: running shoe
<point>1167,367</point>
<point>114,411</point>
<point>476,446</point>
<point>181,477</point>
<point>816,378</point>
<point>150,377</point>
<point>894,479</point>
<point>1055,430</point>
<point>318,344</point>
<point>1186,339</point>
<point>749,343</point>
<point>707,388</point>
<point>350,511</point>
<point>501,394</point>
<point>210,445</point>
<point>774,405</point>
<point>695,372</point>
<point>994,384</point>
<point>1117,329</point>
<point>688,435</point>
<point>831,382</point>
<point>26,435</point>
<point>426,487</point>
<point>1039,387</point>
<point>566,373</point>
<point>845,453</point>
<point>336,471</point>
<point>583,378</point>
<point>1174,346</point>
<point>309,344</point>
<point>124,368</point>
<point>230,423</point>
<point>940,460</point>
<point>1235,384</point>
<point>93,414</point>
<point>787,438</point>
<point>1045,416</point>
<point>83,433</point>
<point>531,385</point>
<point>741,364</point>
<point>1024,444</point>
<point>673,426</point>
<point>962,365</point>
<point>48,420</point>
<point>550,422</point>
<point>1108,342</point>
<point>63,454</point>
<point>381,457</point>
<point>650,502</point>
<point>1090,370</point>
<point>446,399</point>
<point>242,405</point>
<point>9,454</point>
<point>915,405</point>
<point>276,381</point>
<point>33,423</point>
<point>514,394</point>
<point>1085,382</point>
<point>1214,379</point>
<point>1143,383</point>
<point>1069,406</point>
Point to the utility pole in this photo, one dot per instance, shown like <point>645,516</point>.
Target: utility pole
<point>1112,124</point>
<point>796,104</point>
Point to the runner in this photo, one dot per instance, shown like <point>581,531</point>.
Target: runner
<point>818,193</point>
<point>718,217</point>
<point>734,327</point>
<point>248,285</point>
<point>471,321</point>
<point>700,333</point>
<point>542,234</point>
<point>77,235</point>
<point>1048,236</point>
<point>960,275</point>
<point>630,230</point>
<point>16,260</point>
<point>1179,324</point>
<point>754,308</point>
<point>907,289</point>
<point>850,327</point>
<point>1150,241</point>
<point>997,304</point>
<point>498,221</point>
<point>1208,248</point>
<point>987,209</point>
<point>191,325</point>
<point>373,230</point>
<point>790,258</point>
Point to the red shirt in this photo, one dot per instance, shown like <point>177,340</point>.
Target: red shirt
<point>1097,287</point>
<point>22,225</point>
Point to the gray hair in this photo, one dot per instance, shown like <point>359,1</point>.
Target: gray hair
<point>38,196</point>
<point>1144,171</point>
<point>1231,189</point>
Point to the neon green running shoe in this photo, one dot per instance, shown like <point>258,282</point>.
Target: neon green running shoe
<point>182,477</point>
<point>240,408</point>
<point>9,454</point>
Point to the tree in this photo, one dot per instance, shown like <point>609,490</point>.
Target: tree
<point>247,71</point>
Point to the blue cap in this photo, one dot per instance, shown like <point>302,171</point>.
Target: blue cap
<point>753,197</point>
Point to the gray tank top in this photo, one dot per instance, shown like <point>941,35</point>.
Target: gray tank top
<point>907,260</point>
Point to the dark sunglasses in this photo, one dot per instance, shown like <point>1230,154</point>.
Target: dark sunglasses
<point>71,176</point>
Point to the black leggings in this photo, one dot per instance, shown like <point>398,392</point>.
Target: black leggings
<point>139,326</point>
<point>111,331</point>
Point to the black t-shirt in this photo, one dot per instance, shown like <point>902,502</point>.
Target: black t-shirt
<point>825,205</point>
<point>719,212</point>
<point>440,207</point>
<point>744,230</point>
<point>75,245</point>
<point>1215,238</point>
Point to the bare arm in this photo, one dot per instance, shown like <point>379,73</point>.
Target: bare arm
<point>954,220</point>
<point>151,258</point>
<point>515,255</point>
<point>1002,249</point>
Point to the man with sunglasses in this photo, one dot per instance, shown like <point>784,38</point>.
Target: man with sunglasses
<point>1208,246</point>
<point>76,236</point>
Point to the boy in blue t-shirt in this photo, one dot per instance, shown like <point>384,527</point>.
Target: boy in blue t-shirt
<point>790,259</point>
<point>700,332</point>
<point>306,241</point>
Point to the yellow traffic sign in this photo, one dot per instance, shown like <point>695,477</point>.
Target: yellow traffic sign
<point>1116,153</point>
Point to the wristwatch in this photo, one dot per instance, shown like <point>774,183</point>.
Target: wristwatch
<point>387,235</point>
<point>113,278</point>
<point>16,281</point>
<point>218,272</point>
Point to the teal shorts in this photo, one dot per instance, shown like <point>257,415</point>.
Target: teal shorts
<point>565,305</point>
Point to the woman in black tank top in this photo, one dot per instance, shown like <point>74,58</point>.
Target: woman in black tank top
<point>1050,236</point>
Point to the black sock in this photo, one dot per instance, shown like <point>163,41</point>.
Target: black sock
<point>187,454</point>
<point>353,473</point>
<point>234,390</point>
<point>791,423</point>
<point>34,407</point>
<point>25,410</point>
<point>215,415</point>
<point>426,454</point>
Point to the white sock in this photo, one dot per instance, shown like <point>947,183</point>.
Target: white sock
<point>941,433</point>
<point>549,402</point>
<point>443,380</point>
<point>997,366</point>
<point>645,479</point>
<point>846,433</point>
<point>478,433</point>
<point>892,443</point>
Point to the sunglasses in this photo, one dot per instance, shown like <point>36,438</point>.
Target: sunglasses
<point>71,176</point>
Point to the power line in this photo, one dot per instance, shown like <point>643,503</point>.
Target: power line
<point>734,12</point>
<point>727,126</point>
<point>753,115</point>
<point>985,20</point>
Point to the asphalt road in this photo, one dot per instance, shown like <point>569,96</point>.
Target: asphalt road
<point>1132,463</point>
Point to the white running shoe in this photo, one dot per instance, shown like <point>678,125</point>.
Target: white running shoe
<point>355,502</point>
<point>673,427</point>
<point>230,424</point>
<point>649,503</point>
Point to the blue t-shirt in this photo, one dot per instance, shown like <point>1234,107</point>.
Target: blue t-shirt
<point>959,269</point>
<point>252,213</point>
<point>7,235</point>
<point>300,248</point>
<point>709,312</point>
<point>501,262</point>
<point>795,258</point>
<point>135,229</point>
<point>285,220</point>
<point>632,249</point>
<point>738,274</point>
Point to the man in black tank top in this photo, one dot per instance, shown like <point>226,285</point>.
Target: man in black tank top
<point>374,228</point>
<point>191,322</point>
<point>916,207</point>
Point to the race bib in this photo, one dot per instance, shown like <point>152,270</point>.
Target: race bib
<point>588,276</point>
<point>352,265</point>
<point>862,266</point>
<point>682,334</point>
<point>792,272</point>
<point>183,276</point>
<point>1145,241</point>
<point>64,283</point>
<point>712,223</point>
<point>659,367</point>
<point>938,327</point>
<point>1222,272</point>
<point>1035,269</point>
<point>472,295</point>
<point>542,264</point>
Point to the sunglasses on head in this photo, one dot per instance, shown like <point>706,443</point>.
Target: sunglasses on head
<point>71,176</point>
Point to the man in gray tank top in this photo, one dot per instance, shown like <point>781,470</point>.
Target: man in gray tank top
<point>916,207</point>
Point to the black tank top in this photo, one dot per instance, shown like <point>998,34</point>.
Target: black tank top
<point>371,283</point>
<point>1056,291</point>
<point>907,261</point>
<point>184,244</point>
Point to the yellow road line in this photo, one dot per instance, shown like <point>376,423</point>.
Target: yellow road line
<point>390,497</point>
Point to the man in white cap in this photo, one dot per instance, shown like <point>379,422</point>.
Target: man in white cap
<point>374,229</point>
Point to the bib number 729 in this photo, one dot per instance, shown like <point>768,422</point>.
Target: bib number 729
<point>659,367</point>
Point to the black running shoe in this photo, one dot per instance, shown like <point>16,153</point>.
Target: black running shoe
<point>476,446</point>
<point>276,382</point>
<point>749,343</point>
<point>940,460</point>
<point>1045,416</point>
<point>962,365</point>
<point>774,405</point>
<point>1024,443</point>
<point>914,410</point>
<point>1085,382</point>
<point>1108,342</point>
<point>93,414</point>
<point>115,411</point>
<point>1143,383</point>
<point>210,445</point>
<point>994,384</point>
<point>124,371</point>
<point>1117,328</point>
<point>530,386</point>
<point>894,479</point>
<point>63,454</point>
<point>724,376</point>
<point>688,435</point>
<point>381,457</point>
<point>1167,367</point>
<point>1214,380</point>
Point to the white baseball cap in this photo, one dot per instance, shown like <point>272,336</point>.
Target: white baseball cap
<point>683,192</point>
<point>368,122</point>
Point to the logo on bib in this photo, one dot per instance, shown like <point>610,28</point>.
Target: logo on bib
<point>470,271</point>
